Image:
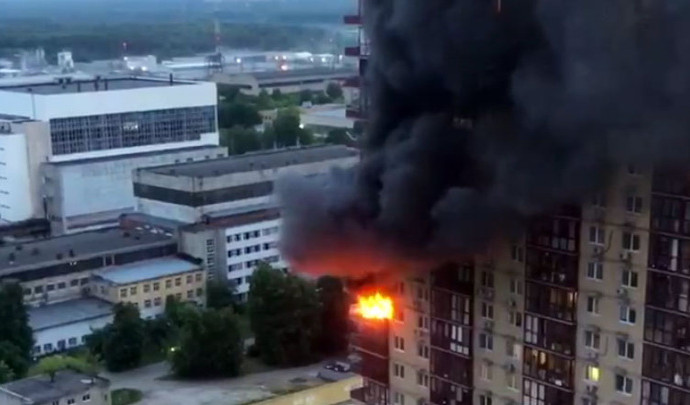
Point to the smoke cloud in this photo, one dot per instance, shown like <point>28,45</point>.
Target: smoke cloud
<point>485,113</point>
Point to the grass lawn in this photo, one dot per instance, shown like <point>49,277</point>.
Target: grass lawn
<point>126,396</point>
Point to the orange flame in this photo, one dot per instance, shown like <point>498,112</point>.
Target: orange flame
<point>374,306</point>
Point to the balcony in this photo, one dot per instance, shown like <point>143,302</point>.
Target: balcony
<point>354,19</point>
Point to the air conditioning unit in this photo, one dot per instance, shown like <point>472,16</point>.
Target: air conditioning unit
<point>593,357</point>
<point>626,256</point>
<point>488,293</point>
<point>622,293</point>
<point>592,390</point>
<point>509,367</point>
<point>489,325</point>
<point>512,303</point>
<point>598,251</point>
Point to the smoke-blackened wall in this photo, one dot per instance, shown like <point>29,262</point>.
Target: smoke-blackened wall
<point>486,113</point>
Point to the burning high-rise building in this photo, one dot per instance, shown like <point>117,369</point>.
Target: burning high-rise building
<point>523,192</point>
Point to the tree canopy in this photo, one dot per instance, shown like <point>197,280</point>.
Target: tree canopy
<point>334,91</point>
<point>284,315</point>
<point>124,339</point>
<point>219,295</point>
<point>53,364</point>
<point>16,337</point>
<point>211,345</point>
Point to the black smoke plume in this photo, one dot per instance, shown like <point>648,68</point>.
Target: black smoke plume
<point>485,113</point>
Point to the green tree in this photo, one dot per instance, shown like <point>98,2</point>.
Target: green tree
<point>124,342</point>
<point>264,101</point>
<point>338,136</point>
<point>322,98</point>
<point>16,337</point>
<point>219,295</point>
<point>284,316</point>
<point>334,91</point>
<point>6,373</point>
<point>241,114</point>
<point>211,345</point>
<point>287,129</point>
<point>241,140</point>
<point>335,319</point>
<point>53,364</point>
<point>305,96</point>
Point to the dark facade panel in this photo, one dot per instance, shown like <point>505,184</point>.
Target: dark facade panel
<point>200,199</point>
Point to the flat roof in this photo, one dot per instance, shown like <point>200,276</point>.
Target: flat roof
<point>147,270</point>
<point>40,389</point>
<point>83,86</point>
<point>67,312</point>
<point>84,243</point>
<point>255,161</point>
<point>137,155</point>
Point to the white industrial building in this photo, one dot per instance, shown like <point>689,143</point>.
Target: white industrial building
<point>77,142</point>
<point>225,210</point>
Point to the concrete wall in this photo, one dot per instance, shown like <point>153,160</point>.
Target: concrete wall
<point>46,107</point>
<point>15,185</point>
<point>92,192</point>
<point>327,394</point>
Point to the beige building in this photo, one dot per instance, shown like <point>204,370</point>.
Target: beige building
<point>66,388</point>
<point>147,284</point>
<point>590,307</point>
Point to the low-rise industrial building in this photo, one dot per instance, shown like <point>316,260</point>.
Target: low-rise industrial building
<point>225,210</point>
<point>65,387</point>
<point>285,81</point>
<point>147,284</point>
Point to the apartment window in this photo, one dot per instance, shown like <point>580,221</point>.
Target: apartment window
<point>422,293</point>
<point>72,341</point>
<point>423,350</point>
<point>156,286</point>
<point>74,283</point>
<point>592,304</point>
<point>596,235</point>
<point>399,343</point>
<point>515,286</point>
<point>61,286</point>
<point>86,398</point>
<point>70,401</point>
<point>592,340</point>
<point>123,293</point>
<point>633,204</point>
<point>486,341</point>
<point>627,314</point>
<point>50,287</point>
<point>168,283</point>
<point>400,315</point>
<point>198,277</point>
<point>398,398</point>
<point>487,310</point>
<point>190,278</point>
<point>190,294</point>
<point>38,289</point>
<point>157,301</point>
<point>487,279</point>
<point>236,266</point>
<point>398,370</point>
<point>631,241</point>
<point>84,280</point>
<point>178,296</point>
<point>595,271</point>
<point>629,278</point>
<point>48,347</point>
<point>624,384</point>
<point>147,303</point>
<point>513,349</point>
<point>422,378</point>
<point>485,400</point>
<point>517,254</point>
<point>178,281</point>
<point>592,373</point>
<point>199,292</point>
<point>512,380</point>
<point>486,371</point>
<point>626,349</point>
<point>146,288</point>
<point>133,290</point>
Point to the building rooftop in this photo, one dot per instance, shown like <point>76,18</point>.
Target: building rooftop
<point>57,249</point>
<point>67,312</point>
<point>213,149</point>
<point>297,73</point>
<point>83,86</point>
<point>256,161</point>
<point>147,270</point>
<point>40,390</point>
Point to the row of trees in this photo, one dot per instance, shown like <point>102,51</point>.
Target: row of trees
<point>238,115</point>
<point>16,339</point>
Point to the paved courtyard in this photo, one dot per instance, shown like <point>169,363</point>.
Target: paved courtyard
<point>215,392</point>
